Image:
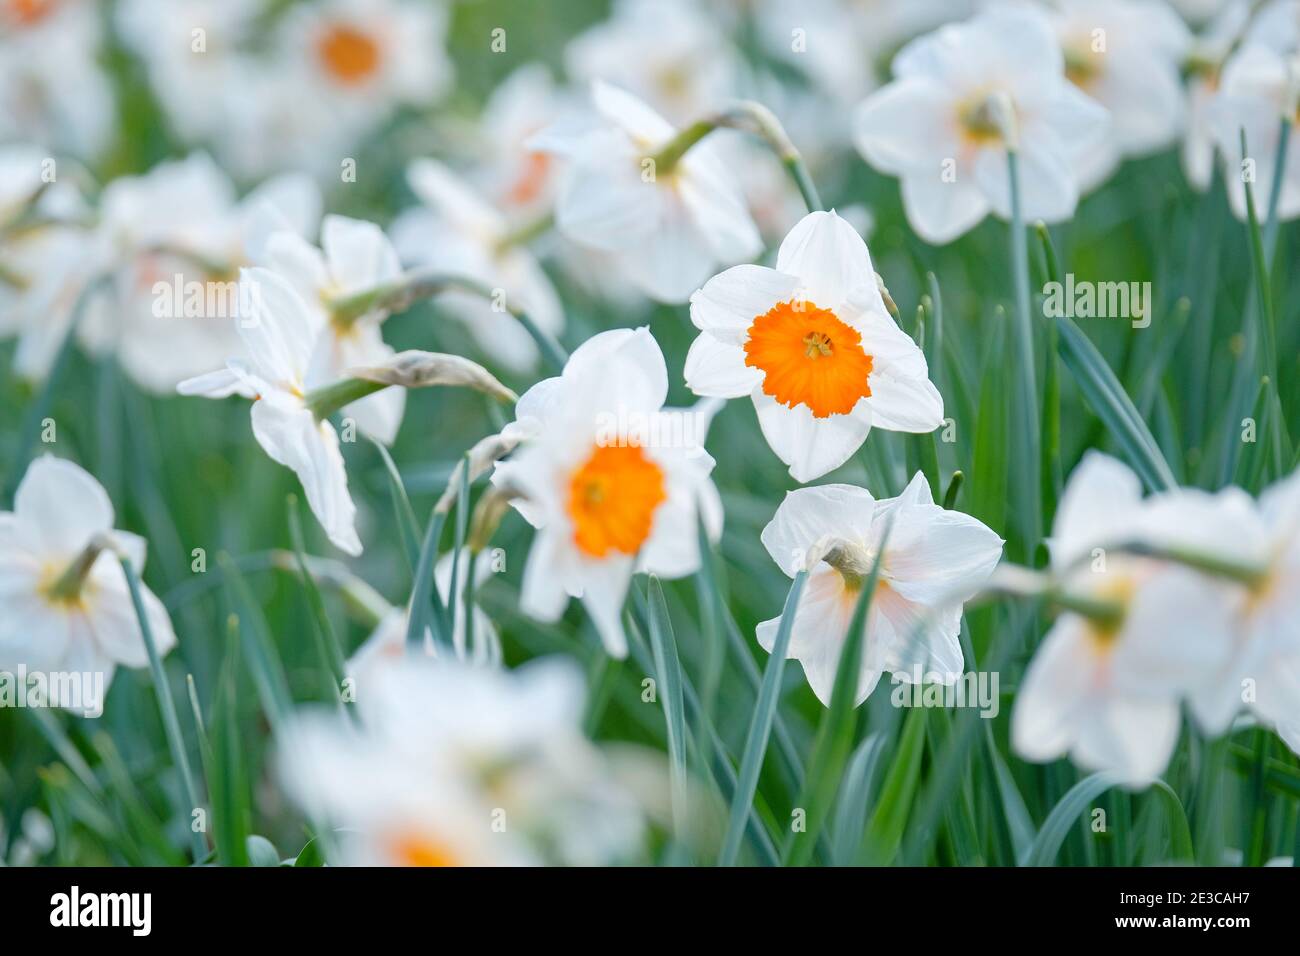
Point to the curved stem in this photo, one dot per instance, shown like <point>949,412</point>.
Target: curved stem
<point>756,119</point>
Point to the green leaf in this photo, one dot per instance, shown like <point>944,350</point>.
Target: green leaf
<point>760,726</point>
<point>261,851</point>
<point>405,514</point>
<point>668,669</point>
<point>885,832</point>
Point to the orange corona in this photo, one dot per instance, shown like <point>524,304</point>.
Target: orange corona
<point>349,55</point>
<point>808,356</point>
<point>612,500</point>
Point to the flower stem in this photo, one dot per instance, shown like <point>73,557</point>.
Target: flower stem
<point>749,117</point>
<point>418,285</point>
<point>325,401</point>
<point>1027,407</point>
<point>166,706</point>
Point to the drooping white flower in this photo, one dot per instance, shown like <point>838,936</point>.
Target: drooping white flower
<point>67,607</point>
<point>355,256</point>
<point>610,479</point>
<point>812,343</point>
<point>942,124</point>
<point>445,754</point>
<point>458,233</point>
<point>1127,56</point>
<point>933,561</point>
<point>280,337</point>
<point>665,230</point>
<point>1106,691</point>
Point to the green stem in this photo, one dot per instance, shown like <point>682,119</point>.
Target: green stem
<point>753,118</point>
<point>1027,411</point>
<point>166,706</point>
<point>325,401</point>
<point>418,285</point>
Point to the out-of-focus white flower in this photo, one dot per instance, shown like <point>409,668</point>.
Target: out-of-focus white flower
<point>1261,669</point>
<point>67,607</point>
<point>458,233</point>
<point>665,229</point>
<point>198,65</point>
<point>1126,55</point>
<point>1204,67</point>
<point>958,95</point>
<point>1258,87</point>
<point>1107,692</point>
<point>933,561</point>
<point>361,59</point>
<point>611,480</point>
<point>667,52</point>
<point>836,42</point>
<point>812,343</point>
<point>387,642</point>
<point>459,766</point>
<point>52,89</point>
<point>170,243</point>
<point>517,178</point>
<point>280,337</point>
<point>355,256</point>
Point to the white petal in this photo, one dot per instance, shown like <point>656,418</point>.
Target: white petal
<point>358,253</point>
<point>1096,506</point>
<point>630,114</point>
<point>830,259</point>
<point>717,369</point>
<point>940,211</point>
<point>279,331</point>
<point>906,127</point>
<point>807,515</point>
<point>290,434</point>
<point>116,627</point>
<point>1052,700</point>
<point>811,446</point>
<point>219,384</point>
<point>729,303</point>
<point>939,557</point>
<point>1131,737</point>
<point>62,505</point>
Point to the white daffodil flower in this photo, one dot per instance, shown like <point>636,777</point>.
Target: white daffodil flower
<point>458,233</point>
<point>960,97</point>
<point>387,642</point>
<point>52,88</point>
<point>355,256</point>
<point>670,53</point>
<point>664,229</point>
<point>934,560</point>
<point>1204,67</point>
<point>443,754</point>
<point>1257,88</point>
<point>1126,55</point>
<point>1261,670</point>
<point>172,242</point>
<point>280,337</point>
<point>812,343</point>
<point>1106,690</point>
<point>611,480</point>
<point>67,606</point>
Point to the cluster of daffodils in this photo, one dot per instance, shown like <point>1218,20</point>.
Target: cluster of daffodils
<point>1193,601</point>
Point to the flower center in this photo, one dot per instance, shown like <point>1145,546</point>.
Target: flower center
<point>1120,591</point>
<point>978,123</point>
<point>532,179</point>
<point>612,500</point>
<point>29,12</point>
<point>809,357</point>
<point>1082,65</point>
<point>348,54</point>
<point>418,849</point>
